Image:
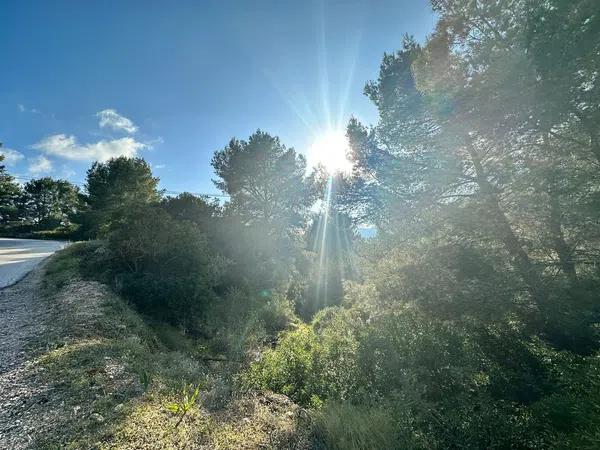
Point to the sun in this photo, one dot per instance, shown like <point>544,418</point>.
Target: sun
<point>330,150</point>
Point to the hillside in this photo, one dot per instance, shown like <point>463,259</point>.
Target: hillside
<point>94,374</point>
<point>254,313</point>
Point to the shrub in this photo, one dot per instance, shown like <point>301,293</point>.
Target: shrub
<point>240,324</point>
<point>442,383</point>
<point>275,312</point>
<point>291,368</point>
<point>167,268</point>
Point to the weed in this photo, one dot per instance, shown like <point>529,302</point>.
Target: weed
<point>145,379</point>
<point>189,396</point>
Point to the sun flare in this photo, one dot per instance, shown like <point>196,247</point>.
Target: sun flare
<point>330,150</point>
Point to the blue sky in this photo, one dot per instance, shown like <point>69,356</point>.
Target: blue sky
<point>174,81</point>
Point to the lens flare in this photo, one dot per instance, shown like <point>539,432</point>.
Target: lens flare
<point>330,150</point>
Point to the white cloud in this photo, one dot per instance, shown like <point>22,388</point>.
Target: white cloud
<point>67,147</point>
<point>112,119</point>
<point>159,166</point>
<point>40,165</point>
<point>22,108</point>
<point>11,157</point>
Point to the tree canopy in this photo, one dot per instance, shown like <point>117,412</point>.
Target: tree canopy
<point>115,186</point>
<point>9,195</point>
<point>46,201</point>
<point>266,182</point>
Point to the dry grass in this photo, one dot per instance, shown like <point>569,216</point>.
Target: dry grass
<point>110,377</point>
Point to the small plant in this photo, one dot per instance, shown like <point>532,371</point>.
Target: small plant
<point>145,379</point>
<point>189,396</point>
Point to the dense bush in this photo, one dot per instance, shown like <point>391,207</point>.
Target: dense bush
<point>291,368</point>
<point>167,268</point>
<point>240,324</point>
<point>444,385</point>
<point>28,231</point>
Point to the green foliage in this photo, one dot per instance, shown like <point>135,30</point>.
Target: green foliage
<point>30,231</point>
<point>481,177</point>
<point>44,208</point>
<point>113,187</point>
<point>507,183</point>
<point>145,379</point>
<point>192,208</point>
<point>165,267</point>
<point>291,368</point>
<point>266,182</point>
<point>440,385</point>
<point>187,400</point>
<point>10,193</point>
<point>270,197</point>
<point>275,312</point>
<point>258,261</point>
<point>356,354</point>
<point>341,426</point>
<point>471,321</point>
<point>330,238</point>
<point>60,270</point>
<point>240,324</point>
<point>49,203</point>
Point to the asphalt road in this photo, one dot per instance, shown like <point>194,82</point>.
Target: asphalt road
<point>19,256</point>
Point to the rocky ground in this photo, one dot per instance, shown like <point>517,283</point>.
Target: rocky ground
<point>25,318</point>
<point>39,330</point>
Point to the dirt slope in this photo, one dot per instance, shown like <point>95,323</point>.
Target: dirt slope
<point>79,369</point>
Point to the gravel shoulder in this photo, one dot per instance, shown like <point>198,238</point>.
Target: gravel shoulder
<point>24,319</point>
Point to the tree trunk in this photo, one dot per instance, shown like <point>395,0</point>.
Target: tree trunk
<point>595,145</point>
<point>505,233</point>
<point>560,245</point>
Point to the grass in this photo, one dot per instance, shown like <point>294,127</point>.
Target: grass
<point>342,426</point>
<point>111,379</point>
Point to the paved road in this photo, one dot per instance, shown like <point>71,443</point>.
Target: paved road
<point>19,256</point>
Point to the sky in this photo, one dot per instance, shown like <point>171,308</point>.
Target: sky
<point>174,81</point>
